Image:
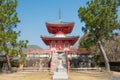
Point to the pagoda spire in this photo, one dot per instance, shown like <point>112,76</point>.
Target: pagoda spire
<point>60,15</point>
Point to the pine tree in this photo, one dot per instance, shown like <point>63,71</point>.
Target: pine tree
<point>8,24</point>
<point>101,19</point>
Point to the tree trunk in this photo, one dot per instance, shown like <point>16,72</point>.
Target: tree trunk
<point>107,66</point>
<point>8,62</point>
<point>21,66</point>
<point>21,52</point>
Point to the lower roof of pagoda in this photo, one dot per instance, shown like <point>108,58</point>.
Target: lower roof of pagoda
<point>71,39</point>
<point>65,27</point>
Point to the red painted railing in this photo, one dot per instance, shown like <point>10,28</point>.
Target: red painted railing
<point>32,51</point>
<point>72,51</point>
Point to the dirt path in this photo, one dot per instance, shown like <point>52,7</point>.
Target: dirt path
<point>72,76</point>
<point>26,76</point>
<point>94,75</point>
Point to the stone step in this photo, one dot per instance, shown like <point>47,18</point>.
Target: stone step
<point>60,76</point>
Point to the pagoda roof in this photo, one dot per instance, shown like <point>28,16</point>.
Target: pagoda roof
<point>60,22</point>
<point>54,27</point>
<point>71,39</point>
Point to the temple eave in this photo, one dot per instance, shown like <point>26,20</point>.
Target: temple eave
<point>59,23</point>
<point>71,39</point>
<point>64,27</point>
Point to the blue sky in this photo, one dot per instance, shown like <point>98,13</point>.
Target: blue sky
<point>34,13</point>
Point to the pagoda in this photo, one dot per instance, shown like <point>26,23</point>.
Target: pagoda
<point>59,44</point>
<point>60,41</point>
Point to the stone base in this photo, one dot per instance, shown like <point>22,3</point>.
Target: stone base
<point>60,76</point>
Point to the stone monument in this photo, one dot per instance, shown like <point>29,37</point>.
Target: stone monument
<point>60,73</point>
<point>60,67</point>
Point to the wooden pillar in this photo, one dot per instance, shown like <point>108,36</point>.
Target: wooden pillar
<point>51,63</point>
<point>68,66</point>
<point>68,62</point>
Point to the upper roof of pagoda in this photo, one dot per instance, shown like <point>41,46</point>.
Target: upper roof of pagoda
<point>55,27</point>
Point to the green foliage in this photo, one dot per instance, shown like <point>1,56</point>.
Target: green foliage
<point>8,34</point>
<point>8,23</point>
<point>22,59</point>
<point>15,63</point>
<point>87,41</point>
<point>23,43</point>
<point>101,19</point>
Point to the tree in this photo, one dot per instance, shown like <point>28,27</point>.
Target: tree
<point>101,19</point>
<point>22,44</point>
<point>8,24</point>
<point>112,48</point>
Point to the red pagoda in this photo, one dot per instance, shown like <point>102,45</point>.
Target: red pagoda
<point>59,42</point>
